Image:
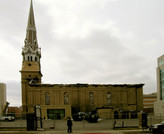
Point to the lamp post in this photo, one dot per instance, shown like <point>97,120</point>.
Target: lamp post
<point>38,114</point>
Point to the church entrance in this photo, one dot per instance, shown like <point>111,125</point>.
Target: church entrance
<point>116,115</point>
<point>55,113</point>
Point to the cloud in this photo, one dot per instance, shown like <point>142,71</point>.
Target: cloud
<point>87,59</point>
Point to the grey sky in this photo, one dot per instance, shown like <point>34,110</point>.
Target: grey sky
<point>84,41</point>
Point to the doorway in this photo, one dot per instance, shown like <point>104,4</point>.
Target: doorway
<point>116,115</point>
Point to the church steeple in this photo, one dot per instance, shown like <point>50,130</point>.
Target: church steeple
<point>31,69</point>
<point>31,51</point>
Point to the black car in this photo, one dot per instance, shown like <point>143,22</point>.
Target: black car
<point>91,117</point>
<point>158,128</point>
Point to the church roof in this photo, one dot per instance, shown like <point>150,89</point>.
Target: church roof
<point>86,85</point>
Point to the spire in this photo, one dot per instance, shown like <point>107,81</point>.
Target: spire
<point>31,38</point>
<point>31,20</point>
<point>30,51</point>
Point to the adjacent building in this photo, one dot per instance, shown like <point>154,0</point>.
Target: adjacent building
<point>15,111</point>
<point>2,98</point>
<point>58,101</point>
<point>159,105</point>
<point>148,102</point>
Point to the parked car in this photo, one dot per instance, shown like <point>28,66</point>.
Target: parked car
<point>91,117</point>
<point>158,128</point>
<point>7,118</point>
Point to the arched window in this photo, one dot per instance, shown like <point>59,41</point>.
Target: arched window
<point>35,58</point>
<point>91,97</point>
<point>28,58</point>
<point>65,98</point>
<point>109,98</point>
<point>31,58</point>
<point>47,98</point>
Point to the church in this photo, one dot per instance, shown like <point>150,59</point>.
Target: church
<point>58,101</point>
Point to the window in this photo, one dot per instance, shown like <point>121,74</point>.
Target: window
<point>31,58</point>
<point>109,98</point>
<point>91,97</point>
<point>65,98</point>
<point>162,84</point>
<point>35,58</point>
<point>28,58</point>
<point>47,98</point>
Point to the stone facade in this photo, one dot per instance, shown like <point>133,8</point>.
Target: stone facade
<point>124,97</point>
<point>159,108</point>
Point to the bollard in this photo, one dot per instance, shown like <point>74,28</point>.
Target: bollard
<point>122,124</point>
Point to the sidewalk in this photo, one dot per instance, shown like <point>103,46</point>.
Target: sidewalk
<point>79,127</point>
<point>138,131</point>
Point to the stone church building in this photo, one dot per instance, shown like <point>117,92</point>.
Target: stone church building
<point>58,101</point>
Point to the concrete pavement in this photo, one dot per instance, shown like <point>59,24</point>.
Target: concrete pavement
<point>79,127</point>
<point>137,131</point>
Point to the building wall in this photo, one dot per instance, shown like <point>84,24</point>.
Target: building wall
<point>159,108</point>
<point>16,111</point>
<point>126,97</point>
<point>2,96</point>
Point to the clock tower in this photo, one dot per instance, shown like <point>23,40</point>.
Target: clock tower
<point>31,69</point>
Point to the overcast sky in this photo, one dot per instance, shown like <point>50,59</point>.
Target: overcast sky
<point>84,41</point>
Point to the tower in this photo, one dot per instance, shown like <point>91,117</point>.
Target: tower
<point>159,104</point>
<point>31,69</point>
<point>3,101</point>
<point>160,78</point>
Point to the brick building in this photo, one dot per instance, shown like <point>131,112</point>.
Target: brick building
<point>58,101</point>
